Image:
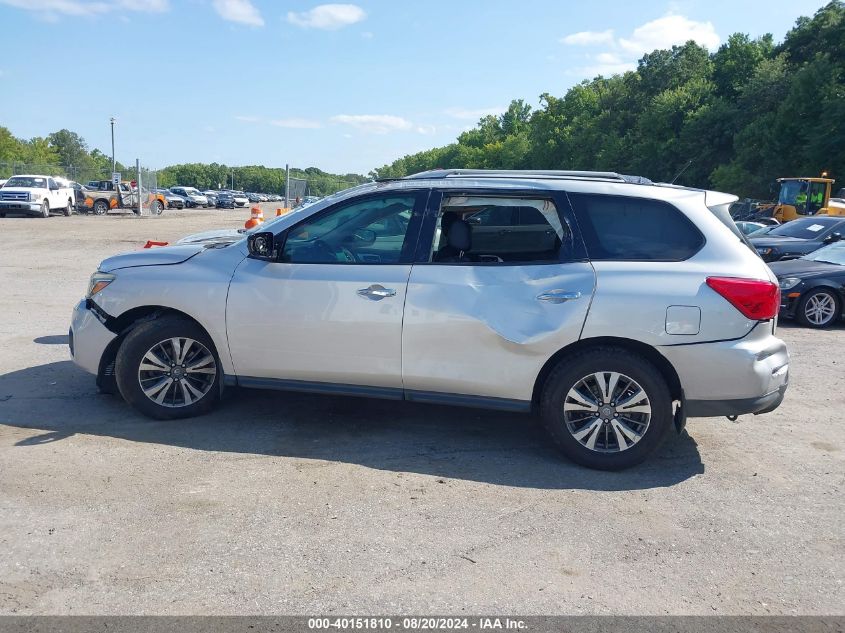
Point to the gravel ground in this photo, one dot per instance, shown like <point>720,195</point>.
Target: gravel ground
<point>284,503</point>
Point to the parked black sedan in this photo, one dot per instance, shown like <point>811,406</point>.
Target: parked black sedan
<point>812,288</point>
<point>799,237</point>
<point>225,200</point>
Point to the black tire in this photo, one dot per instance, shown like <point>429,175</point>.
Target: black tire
<point>101,207</point>
<point>819,294</point>
<point>45,209</point>
<point>68,211</point>
<point>571,371</point>
<point>136,345</point>
<point>156,207</point>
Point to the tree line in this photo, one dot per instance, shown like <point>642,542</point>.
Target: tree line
<point>732,120</point>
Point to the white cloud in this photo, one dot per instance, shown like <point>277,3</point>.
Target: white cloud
<point>374,123</point>
<point>240,11</point>
<point>426,129</point>
<point>299,124</point>
<point>588,38</point>
<point>50,9</point>
<point>468,114</point>
<point>329,17</point>
<point>623,53</point>
<point>246,118</point>
<point>668,31</point>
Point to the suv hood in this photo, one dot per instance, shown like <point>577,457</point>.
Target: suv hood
<point>216,236</point>
<point>162,256</point>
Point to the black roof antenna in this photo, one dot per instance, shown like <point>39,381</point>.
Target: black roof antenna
<point>678,175</point>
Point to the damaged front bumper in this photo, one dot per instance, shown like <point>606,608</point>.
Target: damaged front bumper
<point>89,337</point>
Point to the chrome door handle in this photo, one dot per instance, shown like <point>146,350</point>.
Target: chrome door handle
<point>558,296</point>
<point>376,292</point>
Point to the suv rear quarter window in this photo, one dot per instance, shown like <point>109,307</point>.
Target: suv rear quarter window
<point>634,229</point>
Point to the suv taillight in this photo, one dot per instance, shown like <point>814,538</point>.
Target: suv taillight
<point>754,298</point>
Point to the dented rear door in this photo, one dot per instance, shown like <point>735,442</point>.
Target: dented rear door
<point>486,329</point>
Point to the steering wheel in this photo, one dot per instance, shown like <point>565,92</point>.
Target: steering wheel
<point>349,255</point>
<point>327,252</point>
<point>323,250</point>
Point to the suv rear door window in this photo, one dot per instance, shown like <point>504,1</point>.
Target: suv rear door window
<point>498,230</point>
<point>634,229</point>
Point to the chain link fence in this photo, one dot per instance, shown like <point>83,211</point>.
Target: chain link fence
<point>93,183</point>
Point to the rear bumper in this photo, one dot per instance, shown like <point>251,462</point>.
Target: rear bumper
<point>749,375</point>
<point>719,408</point>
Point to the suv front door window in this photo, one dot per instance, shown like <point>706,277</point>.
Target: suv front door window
<point>330,311</point>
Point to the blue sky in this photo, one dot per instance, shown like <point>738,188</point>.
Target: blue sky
<point>343,87</point>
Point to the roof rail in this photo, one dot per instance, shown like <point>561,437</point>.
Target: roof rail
<point>434,174</point>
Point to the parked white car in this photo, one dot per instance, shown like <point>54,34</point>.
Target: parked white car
<point>36,195</point>
<point>615,309</point>
<point>192,196</point>
<point>241,200</point>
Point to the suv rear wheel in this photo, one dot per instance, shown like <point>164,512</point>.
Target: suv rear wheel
<point>167,368</point>
<point>606,408</point>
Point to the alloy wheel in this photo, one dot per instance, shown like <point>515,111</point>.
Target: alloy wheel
<point>820,308</point>
<point>177,372</point>
<point>607,412</point>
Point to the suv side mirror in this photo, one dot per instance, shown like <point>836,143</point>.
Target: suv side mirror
<point>54,187</point>
<point>264,246</point>
<point>833,237</point>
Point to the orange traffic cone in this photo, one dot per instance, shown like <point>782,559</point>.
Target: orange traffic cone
<point>255,219</point>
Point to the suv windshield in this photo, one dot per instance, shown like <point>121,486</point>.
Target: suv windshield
<point>806,229</point>
<point>26,181</point>
<point>833,254</point>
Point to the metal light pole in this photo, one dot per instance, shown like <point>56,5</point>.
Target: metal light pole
<point>138,178</point>
<point>287,186</point>
<point>113,164</point>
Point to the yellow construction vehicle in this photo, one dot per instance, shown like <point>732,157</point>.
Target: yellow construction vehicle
<point>801,197</point>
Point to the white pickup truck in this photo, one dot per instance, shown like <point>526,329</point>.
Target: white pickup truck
<point>36,195</point>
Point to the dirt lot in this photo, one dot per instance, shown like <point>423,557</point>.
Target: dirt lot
<point>284,503</point>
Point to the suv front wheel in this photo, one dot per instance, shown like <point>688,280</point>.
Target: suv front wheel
<point>167,369</point>
<point>606,408</point>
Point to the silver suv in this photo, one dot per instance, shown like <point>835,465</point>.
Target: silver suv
<point>614,307</point>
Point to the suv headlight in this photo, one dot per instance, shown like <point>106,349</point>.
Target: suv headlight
<point>765,250</point>
<point>788,283</point>
<point>97,282</point>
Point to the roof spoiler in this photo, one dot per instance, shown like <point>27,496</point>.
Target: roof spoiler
<point>718,198</point>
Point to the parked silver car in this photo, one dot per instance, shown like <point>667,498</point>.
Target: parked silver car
<point>615,309</point>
